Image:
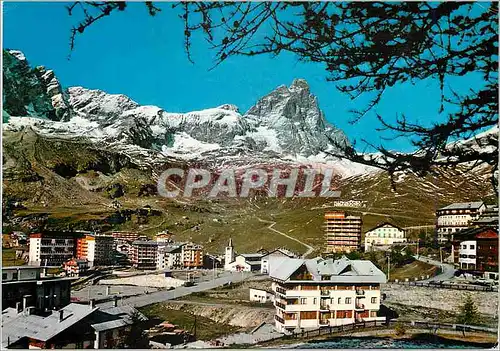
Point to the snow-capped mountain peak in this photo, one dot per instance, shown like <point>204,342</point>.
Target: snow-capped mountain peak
<point>286,124</point>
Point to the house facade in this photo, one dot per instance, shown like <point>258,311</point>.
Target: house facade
<point>311,293</point>
<point>261,295</point>
<point>245,263</point>
<point>476,250</point>
<point>27,285</point>
<point>74,267</point>
<point>261,261</point>
<point>273,258</point>
<point>384,234</point>
<point>75,326</point>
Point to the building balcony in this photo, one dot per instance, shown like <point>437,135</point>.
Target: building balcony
<point>280,305</point>
<point>324,307</point>
<point>359,307</point>
<point>279,319</point>
<point>324,322</point>
<point>280,290</point>
<point>286,322</point>
<point>325,293</point>
<point>360,292</point>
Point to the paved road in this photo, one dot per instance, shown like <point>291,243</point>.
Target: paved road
<point>98,292</point>
<point>420,226</point>
<point>270,227</point>
<point>448,271</point>
<point>159,296</point>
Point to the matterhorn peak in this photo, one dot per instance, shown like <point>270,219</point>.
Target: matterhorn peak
<point>294,114</point>
<point>300,84</point>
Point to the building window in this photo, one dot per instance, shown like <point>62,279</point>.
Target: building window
<point>340,300</point>
<point>347,300</point>
<point>315,300</point>
<point>472,247</point>
<point>4,276</point>
<point>303,301</point>
<point>15,276</point>
<point>374,300</point>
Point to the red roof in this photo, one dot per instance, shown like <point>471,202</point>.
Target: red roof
<point>487,234</point>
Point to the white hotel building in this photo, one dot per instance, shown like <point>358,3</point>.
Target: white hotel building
<point>312,293</point>
<point>384,234</point>
<point>456,217</point>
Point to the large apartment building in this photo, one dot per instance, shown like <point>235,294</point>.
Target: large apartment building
<point>169,256</point>
<point>97,249</point>
<point>104,250</point>
<point>311,293</point>
<point>343,232</point>
<point>51,248</point>
<point>85,248</point>
<point>456,217</point>
<point>144,254</point>
<point>192,255</point>
<point>124,237</point>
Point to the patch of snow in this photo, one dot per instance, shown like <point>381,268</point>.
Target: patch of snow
<point>18,54</point>
<point>264,134</point>
<point>185,146</point>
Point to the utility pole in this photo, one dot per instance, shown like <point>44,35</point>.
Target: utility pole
<point>389,267</point>
<point>418,242</point>
<point>213,269</point>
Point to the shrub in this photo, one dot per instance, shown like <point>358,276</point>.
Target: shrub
<point>400,329</point>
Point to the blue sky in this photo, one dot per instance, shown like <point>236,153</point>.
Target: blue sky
<point>143,57</point>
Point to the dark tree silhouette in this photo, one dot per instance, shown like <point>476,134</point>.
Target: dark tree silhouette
<point>367,48</point>
<point>136,338</point>
<point>468,313</point>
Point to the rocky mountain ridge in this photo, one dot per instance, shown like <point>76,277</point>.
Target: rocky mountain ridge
<point>286,125</point>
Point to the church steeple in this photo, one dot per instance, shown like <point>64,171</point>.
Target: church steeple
<point>229,256</point>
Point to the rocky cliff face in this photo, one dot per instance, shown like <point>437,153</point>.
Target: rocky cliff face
<point>285,123</point>
<point>294,115</point>
<point>24,93</point>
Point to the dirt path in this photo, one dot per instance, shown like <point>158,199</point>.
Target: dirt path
<point>270,227</point>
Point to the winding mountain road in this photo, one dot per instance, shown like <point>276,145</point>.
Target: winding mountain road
<point>270,227</point>
<point>447,270</point>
